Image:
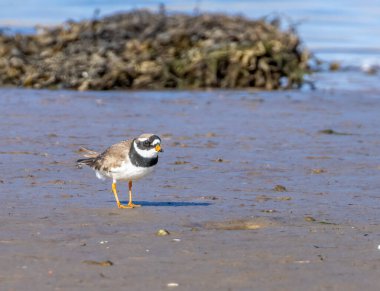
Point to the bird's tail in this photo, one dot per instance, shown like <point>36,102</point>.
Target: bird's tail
<point>89,155</point>
<point>87,162</point>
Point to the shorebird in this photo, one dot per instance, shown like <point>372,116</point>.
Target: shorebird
<point>127,160</point>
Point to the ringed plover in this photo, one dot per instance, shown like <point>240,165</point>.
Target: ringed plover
<point>127,160</point>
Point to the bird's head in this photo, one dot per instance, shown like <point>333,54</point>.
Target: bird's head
<point>148,145</point>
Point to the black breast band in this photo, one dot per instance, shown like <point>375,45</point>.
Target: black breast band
<point>139,161</point>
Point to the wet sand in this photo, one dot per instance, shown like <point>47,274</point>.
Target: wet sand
<point>214,190</point>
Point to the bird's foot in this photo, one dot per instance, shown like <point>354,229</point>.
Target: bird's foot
<point>132,205</point>
<point>129,205</point>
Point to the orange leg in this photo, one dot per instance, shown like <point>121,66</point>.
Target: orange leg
<point>130,203</point>
<point>119,205</point>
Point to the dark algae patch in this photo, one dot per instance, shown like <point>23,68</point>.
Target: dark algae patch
<point>333,132</point>
<point>142,49</point>
<point>312,219</point>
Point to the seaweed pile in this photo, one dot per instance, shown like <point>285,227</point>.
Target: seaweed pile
<point>143,49</point>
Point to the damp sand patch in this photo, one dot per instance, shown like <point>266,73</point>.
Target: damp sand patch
<point>240,224</point>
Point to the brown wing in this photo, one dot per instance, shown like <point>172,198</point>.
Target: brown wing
<point>113,157</point>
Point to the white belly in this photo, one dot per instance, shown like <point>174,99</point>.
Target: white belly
<point>127,171</point>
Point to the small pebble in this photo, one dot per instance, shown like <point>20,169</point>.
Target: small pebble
<point>280,188</point>
<point>98,263</point>
<point>162,232</point>
<point>318,171</point>
<point>309,218</point>
<point>268,210</point>
<point>181,162</point>
<point>303,262</point>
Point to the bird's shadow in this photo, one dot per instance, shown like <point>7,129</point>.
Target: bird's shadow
<point>168,203</point>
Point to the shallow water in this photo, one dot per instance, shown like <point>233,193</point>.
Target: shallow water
<point>225,152</point>
<point>342,30</point>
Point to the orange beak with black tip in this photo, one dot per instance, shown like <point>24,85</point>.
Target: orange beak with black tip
<point>159,148</point>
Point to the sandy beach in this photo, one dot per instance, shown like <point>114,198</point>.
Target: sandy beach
<point>259,191</point>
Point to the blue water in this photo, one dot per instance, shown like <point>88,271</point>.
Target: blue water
<point>342,30</point>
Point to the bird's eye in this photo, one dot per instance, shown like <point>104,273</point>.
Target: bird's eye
<point>146,143</point>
